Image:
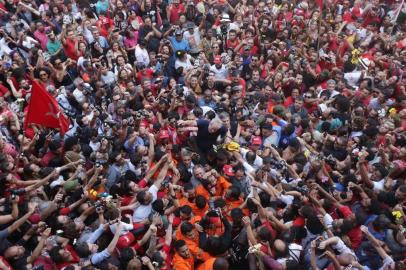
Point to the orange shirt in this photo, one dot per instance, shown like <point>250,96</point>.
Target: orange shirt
<point>230,205</point>
<point>193,245</point>
<point>221,186</point>
<point>196,211</point>
<point>207,265</point>
<point>180,263</point>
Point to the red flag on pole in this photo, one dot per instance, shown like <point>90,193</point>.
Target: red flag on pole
<point>44,110</point>
<point>320,4</point>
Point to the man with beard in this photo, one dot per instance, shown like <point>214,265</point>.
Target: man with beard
<point>249,68</point>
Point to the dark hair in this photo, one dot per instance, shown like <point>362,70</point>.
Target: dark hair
<point>158,206</point>
<point>201,201</point>
<point>264,234</point>
<point>112,213</point>
<point>54,254</point>
<point>82,250</point>
<point>235,192</point>
<point>127,254</point>
<point>178,244</point>
<point>186,227</point>
<point>141,197</point>
<point>186,209</point>
<point>219,203</point>
<point>220,264</point>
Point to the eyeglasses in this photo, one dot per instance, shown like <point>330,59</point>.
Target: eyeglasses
<point>215,47</point>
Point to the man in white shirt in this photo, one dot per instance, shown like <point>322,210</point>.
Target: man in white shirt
<point>78,92</point>
<point>141,53</point>
<point>220,71</point>
<point>192,36</point>
<point>146,198</point>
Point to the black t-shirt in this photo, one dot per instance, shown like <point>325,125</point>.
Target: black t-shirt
<point>204,139</point>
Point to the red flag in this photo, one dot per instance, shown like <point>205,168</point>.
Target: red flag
<point>44,110</point>
<point>320,4</point>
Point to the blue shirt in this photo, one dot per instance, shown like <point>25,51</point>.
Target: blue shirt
<point>103,42</point>
<point>182,45</point>
<point>133,148</point>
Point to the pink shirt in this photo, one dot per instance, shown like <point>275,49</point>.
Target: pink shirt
<point>42,38</point>
<point>131,42</point>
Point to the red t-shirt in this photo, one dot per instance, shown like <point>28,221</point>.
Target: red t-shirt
<point>174,12</point>
<point>69,49</point>
<point>3,90</point>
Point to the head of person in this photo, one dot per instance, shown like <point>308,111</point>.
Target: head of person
<point>215,125</point>
<point>14,252</point>
<point>84,250</point>
<point>198,172</point>
<point>144,197</point>
<point>182,249</point>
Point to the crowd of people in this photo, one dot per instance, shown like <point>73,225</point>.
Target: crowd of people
<point>207,135</point>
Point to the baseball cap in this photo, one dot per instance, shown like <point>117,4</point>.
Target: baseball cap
<point>178,32</point>
<point>163,134</point>
<point>217,59</point>
<point>256,140</point>
<point>228,170</point>
<point>225,18</point>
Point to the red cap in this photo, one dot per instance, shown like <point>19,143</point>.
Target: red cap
<point>125,240</point>
<point>228,170</point>
<point>164,134</point>
<point>144,124</point>
<point>256,140</point>
<point>35,218</point>
<point>217,59</point>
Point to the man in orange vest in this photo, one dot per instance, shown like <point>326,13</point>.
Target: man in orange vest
<point>183,258</point>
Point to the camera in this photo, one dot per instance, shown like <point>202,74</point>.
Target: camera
<point>179,90</point>
<point>159,58</point>
<point>141,114</point>
<point>223,29</point>
<point>87,88</point>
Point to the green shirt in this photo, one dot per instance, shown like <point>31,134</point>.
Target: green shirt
<point>53,46</point>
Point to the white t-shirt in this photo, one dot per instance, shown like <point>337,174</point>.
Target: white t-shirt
<point>142,55</point>
<point>221,73</point>
<point>258,162</point>
<point>378,186</point>
<point>143,211</point>
<point>193,39</point>
<point>185,64</point>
